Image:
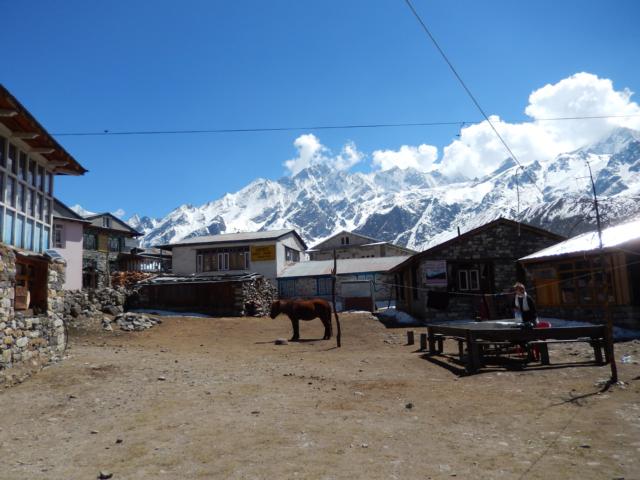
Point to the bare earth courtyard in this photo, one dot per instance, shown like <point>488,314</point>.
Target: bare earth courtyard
<point>215,398</point>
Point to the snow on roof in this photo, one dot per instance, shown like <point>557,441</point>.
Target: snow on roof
<point>345,266</point>
<point>611,237</point>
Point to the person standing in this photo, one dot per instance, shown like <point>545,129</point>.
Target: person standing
<point>525,307</point>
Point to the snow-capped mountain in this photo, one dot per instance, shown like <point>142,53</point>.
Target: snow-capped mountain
<point>418,209</point>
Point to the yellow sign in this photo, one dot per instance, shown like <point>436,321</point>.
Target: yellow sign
<point>263,253</point>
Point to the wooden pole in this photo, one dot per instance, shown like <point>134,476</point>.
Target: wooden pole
<point>333,297</point>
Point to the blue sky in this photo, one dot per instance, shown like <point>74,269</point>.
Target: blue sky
<point>164,65</point>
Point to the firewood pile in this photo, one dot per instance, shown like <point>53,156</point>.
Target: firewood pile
<point>128,279</point>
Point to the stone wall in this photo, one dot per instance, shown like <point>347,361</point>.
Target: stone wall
<point>25,339</point>
<point>101,262</point>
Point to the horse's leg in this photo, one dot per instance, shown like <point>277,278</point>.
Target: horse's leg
<point>295,323</point>
<point>326,321</point>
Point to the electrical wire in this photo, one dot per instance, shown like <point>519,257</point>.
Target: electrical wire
<point>473,98</point>
<point>314,127</point>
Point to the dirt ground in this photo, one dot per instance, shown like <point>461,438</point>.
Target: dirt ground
<point>199,398</point>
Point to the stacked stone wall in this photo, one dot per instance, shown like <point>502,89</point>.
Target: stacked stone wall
<point>26,339</point>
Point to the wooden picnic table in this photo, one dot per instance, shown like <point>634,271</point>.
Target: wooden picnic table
<point>477,335</point>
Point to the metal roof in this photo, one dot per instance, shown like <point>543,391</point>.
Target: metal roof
<point>317,268</point>
<point>588,242</point>
<point>236,237</point>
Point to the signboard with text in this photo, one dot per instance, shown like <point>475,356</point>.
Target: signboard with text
<point>263,253</point>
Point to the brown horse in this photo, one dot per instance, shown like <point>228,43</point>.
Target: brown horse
<point>298,310</point>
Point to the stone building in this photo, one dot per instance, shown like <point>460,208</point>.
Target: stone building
<point>354,245</point>
<point>105,238</point>
<point>31,275</point>
<point>568,277</point>
<point>457,279</point>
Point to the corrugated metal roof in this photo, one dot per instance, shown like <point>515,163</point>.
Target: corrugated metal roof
<point>611,238</point>
<point>234,237</point>
<point>318,268</point>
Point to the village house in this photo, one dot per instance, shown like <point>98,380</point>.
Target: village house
<point>459,278</point>
<point>568,277</point>
<point>266,253</point>
<point>354,245</point>
<point>105,238</point>
<point>67,241</point>
<point>31,275</point>
<point>367,275</point>
<point>146,260</point>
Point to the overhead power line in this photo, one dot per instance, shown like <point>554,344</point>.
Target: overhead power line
<point>314,127</point>
<point>464,85</point>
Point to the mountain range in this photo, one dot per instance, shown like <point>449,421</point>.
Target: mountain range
<point>419,209</point>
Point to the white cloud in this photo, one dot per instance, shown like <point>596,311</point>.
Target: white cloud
<point>420,157</point>
<point>311,152</point>
<point>478,150</point>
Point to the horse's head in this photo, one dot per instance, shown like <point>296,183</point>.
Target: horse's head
<point>275,309</point>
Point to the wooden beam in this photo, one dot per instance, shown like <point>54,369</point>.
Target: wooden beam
<point>25,135</point>
<point>43,150</point>
<point>8,112</point>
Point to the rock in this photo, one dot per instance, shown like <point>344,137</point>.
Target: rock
<point>408,406</point>
<point>281,341</point>
<point>104,475</point>
<point>111,310</point>
<point>75,311</point>
<point>22,342</point>
<point>161,378</point>
<point>119,440</point>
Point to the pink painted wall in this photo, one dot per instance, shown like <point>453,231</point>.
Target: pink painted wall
<point>71,251</point>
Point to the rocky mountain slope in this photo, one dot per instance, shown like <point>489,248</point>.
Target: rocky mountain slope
<point>418,209</point>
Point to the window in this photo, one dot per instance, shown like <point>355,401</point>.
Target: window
<point>8,193</point>
<point>199,262</point>
<point>114,244</point>
<point>291,255</point>
<point>324,285</point>
<point>58,236</point>
<point>38,206</point>
<point>223,259</point>
<point>41,179</point>
<point>468,280</point>
<point>3,144</point>
<point>20,197</point>
<point>11,159</point>
<point>31,177</point>
<point>28,235</point>
<point>37,239</point>
<point>18,242</point>
<point>106,222</point>
<point>89,241</point>
<point>22,166</point>
<point>45,238</point>
<point>7,236</point>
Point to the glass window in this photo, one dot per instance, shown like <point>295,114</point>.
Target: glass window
<point>38,206</point>
<point>41,178</point>
<point>28,235</point>
<point>463,280</point>
<point>45,210</point>
<point>474,280</point>
<point>114,244</point>
<point>90,242</point>
<point>3,145</point>
<point>58,236</point>
<point>8,193</point>
<point>106,222</point>
<point>19,231</point>
<point>45,238</point>
<point>20,197</point>
<point>49,183</point>
<point>29,201</point>
<point>32,173</point>
<point>7,236</point>
<point>22,166</point>
<point>37,245</point>
<point>291,255</point>
<point>11,159</point>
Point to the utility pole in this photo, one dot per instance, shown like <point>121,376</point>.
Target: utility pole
<point>605,279</point>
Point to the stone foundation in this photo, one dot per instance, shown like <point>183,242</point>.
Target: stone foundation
<point>30,339</point>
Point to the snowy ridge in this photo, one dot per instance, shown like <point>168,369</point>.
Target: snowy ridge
<point>418,209</point>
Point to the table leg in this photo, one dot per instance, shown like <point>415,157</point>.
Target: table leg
<point>473,355</point>
<point>432,341</point>
<point>440,344</point>
<point>597,350</point>
<point>461,349</point>
<point>544,354</point>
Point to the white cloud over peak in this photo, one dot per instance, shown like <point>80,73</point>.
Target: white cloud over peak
<point>420,157</point>
<point>478,150</point>
<point>311,152</point>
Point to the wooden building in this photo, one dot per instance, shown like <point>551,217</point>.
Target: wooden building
<point>105,238</point>
<point>569,282</point>
<point>147,260</point>
<point>354,245</point>
<point>455,280</point>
